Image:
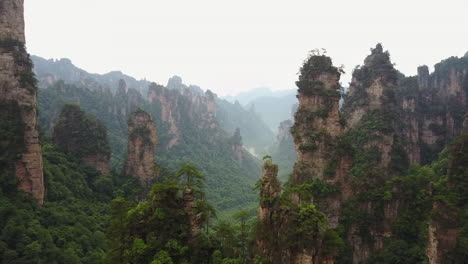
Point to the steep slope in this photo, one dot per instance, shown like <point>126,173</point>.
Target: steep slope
<point>141,148</point>
<point>187,132</point>
<point>83,137</point>
<point>433,107</point>
<point>20,152</point>
<point>356,169</point>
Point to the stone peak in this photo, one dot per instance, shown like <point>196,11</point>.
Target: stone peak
<point>12,20</point>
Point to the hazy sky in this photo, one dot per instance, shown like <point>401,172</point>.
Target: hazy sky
<point>232,46</point>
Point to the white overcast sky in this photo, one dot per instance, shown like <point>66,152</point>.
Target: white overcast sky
<point>233,46</point>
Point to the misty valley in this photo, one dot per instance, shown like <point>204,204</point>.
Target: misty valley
<point>106,168</point>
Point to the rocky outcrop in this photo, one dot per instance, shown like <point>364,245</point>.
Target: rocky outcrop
<point>18,89</point>
<point>12,20</point>
<point>270,190</point>
<point>355,169</point>
<point>433,105</point>
<point>142,140</point>
<point>84,137</point>
<point>317,120</point>
<point>269,214</point>
<point>181,106</point>
<point>317,131</point>
<point>445,223</point>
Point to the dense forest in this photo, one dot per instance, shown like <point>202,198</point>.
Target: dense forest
<point>98,169</point>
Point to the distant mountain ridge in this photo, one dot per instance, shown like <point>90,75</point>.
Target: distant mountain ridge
<point>272,106</point>
<point>52,70</point>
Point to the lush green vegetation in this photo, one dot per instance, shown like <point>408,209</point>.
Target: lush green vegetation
<point>291,227</point>
<point>80,135</point>
<point>229,182</point>
<point>434,192</point>
<point>22,61</point>
<point>159,229</point>
<point>11,135</point>
<point>80,223</point>
<point>71,225</point>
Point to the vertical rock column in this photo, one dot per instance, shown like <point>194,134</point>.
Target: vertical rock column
<point>236,145</point>
<point>317,120</point>
<point>142,140</point>
<point>269,215</point>
<point>18,86</point>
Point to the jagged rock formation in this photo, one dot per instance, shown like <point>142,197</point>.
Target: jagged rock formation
<point>355,169</point>
<point>317,132</point>
<point>269,210</point>
<point>50,71</point>
<point>372,124</point>
<point>181,106</point>
<point>18,98</point>
<point>317,120</point>
<point>142,140</point>
<point>445,223</point>
<point>433,106</point>
<point>199,142</point>
<point>82,136</point>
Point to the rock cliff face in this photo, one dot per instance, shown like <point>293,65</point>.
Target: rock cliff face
<point>269,210</point>
<point>12,20</point>
<point>372,124</point>
<point>433,106</point>
<point>316,177</point>
<point>446,224</point>
<point>142,140</point>
<point>317,120</point>
<point>18,90</point>
<point>82,136</point>
<point>354,167</point>
<point>317,132</point>
<point>181,106</point>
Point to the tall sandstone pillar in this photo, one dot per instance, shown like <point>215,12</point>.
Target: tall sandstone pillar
<point>142,140</point>
<point>18,87</point>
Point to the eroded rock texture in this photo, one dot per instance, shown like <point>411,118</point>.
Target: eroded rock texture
<point>18,90</point>
<point>142,140</point>
<point>433,106</point>
<point>180,105</point>
<point>354,165</point>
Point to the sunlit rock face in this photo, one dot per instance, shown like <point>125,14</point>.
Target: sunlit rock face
<point>18,87</point>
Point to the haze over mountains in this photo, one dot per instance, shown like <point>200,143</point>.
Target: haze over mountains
<point>108,169</point>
